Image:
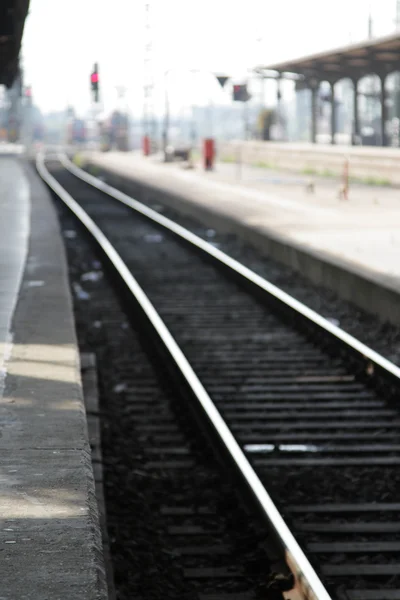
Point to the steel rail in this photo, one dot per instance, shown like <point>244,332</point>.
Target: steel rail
<point>372,363</point>
<point>307,582</point>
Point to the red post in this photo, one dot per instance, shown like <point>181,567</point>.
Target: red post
<point>146,145</point>
<point>209,154</point>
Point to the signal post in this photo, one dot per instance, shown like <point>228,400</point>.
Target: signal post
<point>95,92</point>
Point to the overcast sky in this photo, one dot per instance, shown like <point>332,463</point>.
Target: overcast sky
<point>63,38</point>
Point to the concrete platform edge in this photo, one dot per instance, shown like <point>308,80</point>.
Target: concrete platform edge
<point>49,508</point>
<point>374,293</point>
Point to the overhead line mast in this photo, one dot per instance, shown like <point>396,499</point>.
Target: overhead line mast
<point>149,123</point>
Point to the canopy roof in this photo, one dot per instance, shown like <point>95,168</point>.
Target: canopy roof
<point>380,56</point>
<point>12,19</point>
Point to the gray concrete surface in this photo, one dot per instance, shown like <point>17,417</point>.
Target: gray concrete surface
<point>50,544</point>
<point>14,234</point>
<point>352,248</point>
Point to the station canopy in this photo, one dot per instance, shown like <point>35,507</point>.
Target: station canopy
<point>12,19</point>
<point>379,56</point>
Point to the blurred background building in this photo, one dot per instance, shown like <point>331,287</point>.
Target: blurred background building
<point>207,39</point>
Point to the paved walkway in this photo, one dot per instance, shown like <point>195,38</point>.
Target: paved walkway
<point>14,236</point>
<point>363,230</point>
<point>50,540</point>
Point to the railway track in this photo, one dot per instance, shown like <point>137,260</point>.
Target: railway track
<point>176,529</point>
<point>312,409</point>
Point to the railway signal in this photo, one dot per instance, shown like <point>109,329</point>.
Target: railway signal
<point>240,93</point>
<point>94,82</point>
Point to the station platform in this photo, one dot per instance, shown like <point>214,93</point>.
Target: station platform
<point>50,539</point>
<point>367,164</point>
<point>351,246</point>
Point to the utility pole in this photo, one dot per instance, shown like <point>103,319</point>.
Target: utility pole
<point>28,118</point>
<point>370,33</point>
<point>166,117</point>
<point>262,76</point>
<point>371,86</point>
<point>95,99</point>
<point>14,110</point>
<point>193,132</point>
<point>123,125</point>
<point>149,124</point>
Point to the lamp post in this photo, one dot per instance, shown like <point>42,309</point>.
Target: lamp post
<point>166,116</point>
<point>210,108</point>
<point>193,128</point>
<point>260,41</point>
<point>122,134</point>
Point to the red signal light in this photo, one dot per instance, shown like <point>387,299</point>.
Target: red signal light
<point>94,82</point>
<point>240,93</point>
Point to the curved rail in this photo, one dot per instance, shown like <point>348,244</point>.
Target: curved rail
<point>308,584</point>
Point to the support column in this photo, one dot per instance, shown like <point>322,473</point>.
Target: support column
<point>383,109</point>
<point>356,131</point>
<point>278,104</point>
<point>314,98</point>
<point>333,112</point>
<point>166,118</point>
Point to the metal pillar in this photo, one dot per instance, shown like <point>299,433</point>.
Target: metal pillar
<point>262,90</point>
<point>149,121</point>
<point>356,131</point>
<point>14,111</point>
<point>333,112</point>
<point>278,105</point>
<point>193,127</point>
<point>314,97</point>
<point>166,118</point>
<point>383,109</point>
<point>193,132</point>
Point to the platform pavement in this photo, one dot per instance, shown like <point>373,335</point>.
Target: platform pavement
<point>351,246</point>
<point>50,541</point>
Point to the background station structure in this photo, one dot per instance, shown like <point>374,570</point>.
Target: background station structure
<point>380,57</point>
<point>12,19</point>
